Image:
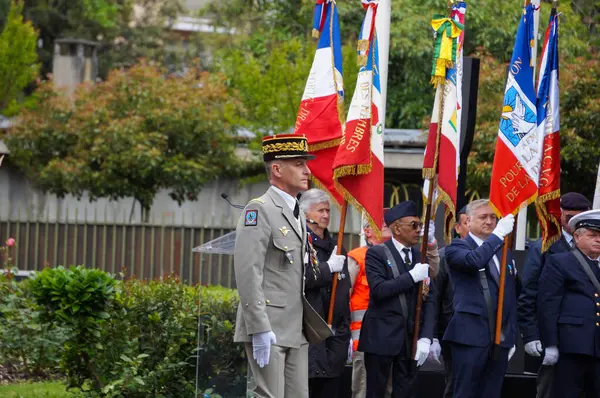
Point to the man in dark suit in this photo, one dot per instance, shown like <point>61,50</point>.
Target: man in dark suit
<point>474,266</point>
<point>569,311</point>
<point>444,308</point>
<point>394,269</point>
<point>571,204</point>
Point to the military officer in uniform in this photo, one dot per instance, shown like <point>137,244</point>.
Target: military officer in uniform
<point>274,320</point>
<point>569,311</point>
<point>474,267</point>
<point>571,204</point>
<point>394,269</point>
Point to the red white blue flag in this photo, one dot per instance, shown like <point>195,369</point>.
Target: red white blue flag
<point>321,114</point>
<point>358,166</point>
<point>548,128</point>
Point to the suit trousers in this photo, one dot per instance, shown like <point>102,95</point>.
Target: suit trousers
<point>324,387</point>
<point>475,374</point>
<point>286,375</point>
<point>404,375</point>
<point>359,377</point>
<point>544,381</point>
<point>447,356</point>
<point>579,374</point>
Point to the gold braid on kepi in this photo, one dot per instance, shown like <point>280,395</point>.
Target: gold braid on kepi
<point>285,146</point>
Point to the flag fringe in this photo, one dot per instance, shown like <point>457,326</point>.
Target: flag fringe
<point>318,184</point>
<point>361,60</point>
<point>429,174</point>
<point>352,201</point>
<point>544,217</point>
<point>525,203</point>
<point>316,34</point>
<point>449,213</point>
<point>324,145</point>
<point>363,45</point>
<point>436,80</point>
<point>352,170</point>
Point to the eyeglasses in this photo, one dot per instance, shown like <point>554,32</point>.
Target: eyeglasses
<point>413,224</point>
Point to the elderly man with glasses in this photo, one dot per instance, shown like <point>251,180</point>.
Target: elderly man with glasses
<point>394,270</point>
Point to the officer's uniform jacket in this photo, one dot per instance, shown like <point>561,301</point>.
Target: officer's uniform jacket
<point>469,324</point>
<point>569,306</point>
<point>269,271</point>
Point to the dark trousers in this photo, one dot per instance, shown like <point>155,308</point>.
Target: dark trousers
<point>475,374</point>
<point>404,374</point>
<point>324,387</point>
<point>545,380</point>
<point>447,355</point>
<point>578,374</point>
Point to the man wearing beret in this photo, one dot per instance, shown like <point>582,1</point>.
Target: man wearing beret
<point>274,320</point>
<point>475,264</point>
<point>571,204</point>
<point>569,311</point>
<point>394,270</point>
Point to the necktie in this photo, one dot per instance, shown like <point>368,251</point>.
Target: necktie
<point>296,210</point>
<point>407,257</point>
<point>572,243</point>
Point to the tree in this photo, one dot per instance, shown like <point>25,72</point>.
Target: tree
<point>18,57</point>
<point>132,135</point>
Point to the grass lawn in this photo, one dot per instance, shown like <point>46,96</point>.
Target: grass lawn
<point>50,389</point>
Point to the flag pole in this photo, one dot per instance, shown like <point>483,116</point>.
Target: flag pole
<point>340,242</point>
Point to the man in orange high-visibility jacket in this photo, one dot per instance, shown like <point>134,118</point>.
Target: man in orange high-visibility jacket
<point>359,300</point>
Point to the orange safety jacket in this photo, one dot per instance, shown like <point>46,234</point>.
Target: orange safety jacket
<point>359,301</point>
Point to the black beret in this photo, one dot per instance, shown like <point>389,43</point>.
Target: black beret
<point>574,201</point>
<point>402,209</point>
<point>461,211</point>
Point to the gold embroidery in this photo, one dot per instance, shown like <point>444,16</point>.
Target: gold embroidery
<point>285,146</point>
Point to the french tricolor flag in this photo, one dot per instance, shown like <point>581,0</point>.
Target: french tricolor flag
<point>320,117</point>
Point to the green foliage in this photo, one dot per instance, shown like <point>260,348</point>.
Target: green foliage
<point>132,135</point>
<point>18,57</point>
<point>77,298</point>
<point>52,389</point>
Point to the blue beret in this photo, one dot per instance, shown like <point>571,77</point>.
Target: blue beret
<point>574,201</point>
<point>402,209</point>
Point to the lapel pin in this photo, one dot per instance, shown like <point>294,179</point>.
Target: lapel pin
<point>284,230</point>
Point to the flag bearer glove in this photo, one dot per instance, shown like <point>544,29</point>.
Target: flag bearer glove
<point>551,356</point>
<point>534,348</point>
<point>419,272</point>
<point>261,347</point>
<point>336,261</point>
<point>423,346</point>
<point>511,352</point>
<point>430,233</point>
<point>505,226</point>
<point>435,351</point>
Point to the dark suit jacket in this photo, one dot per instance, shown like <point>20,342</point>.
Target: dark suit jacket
<point>445,295</point>
<point>382,329</point>
<point>569,306</point>
<point>469,324</point>
<point>526,305</point>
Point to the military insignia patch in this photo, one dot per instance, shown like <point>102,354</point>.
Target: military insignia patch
<point>251,219</point>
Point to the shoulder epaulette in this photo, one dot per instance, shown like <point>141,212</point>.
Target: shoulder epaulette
<point>257,200</point>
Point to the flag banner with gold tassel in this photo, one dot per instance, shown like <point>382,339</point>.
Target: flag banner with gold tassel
<point>358,166</point>
<point>548,127</point>
<point>321,114</point>
<point>441,163</point>
<point>597,191</point>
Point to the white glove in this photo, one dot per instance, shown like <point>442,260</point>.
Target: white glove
<point>419,272</point>
<point>422,353</point>
<point>430,233</point>
<point>261,347</point>
<point>534,348</point>
<point>511,352</point>
<point>551,356</point>
<point>336,262</point>
<point>504,226</point>
<point>435,351</point>
<point>350,351</point>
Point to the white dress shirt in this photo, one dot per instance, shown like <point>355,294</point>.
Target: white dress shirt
<point>479,243</point>
<point>568,238</point>
<point>399,246</point>
<point>290,201</point>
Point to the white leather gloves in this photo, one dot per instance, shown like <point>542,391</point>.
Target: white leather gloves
<point>511,352</point>
<point>422,352</point>
<point>350,352</point>
<point>430,233</point>
<point>534,348</point>
<point>336,262</point>
<point>419,272</point>
<point>504,226</point>
<point>261,347</point>
<point>435,351</point>
<point>551,356</point>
